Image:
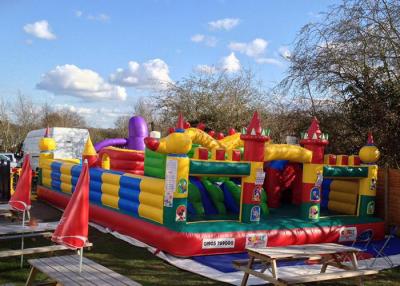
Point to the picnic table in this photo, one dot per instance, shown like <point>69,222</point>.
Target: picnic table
<point>18,229</point>
<point>64,270</point>
<point>13,231</point>
<point>5,210</point>
<point>328,254</point>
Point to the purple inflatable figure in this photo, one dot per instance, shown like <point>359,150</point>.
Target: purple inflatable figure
<point>137,131</point>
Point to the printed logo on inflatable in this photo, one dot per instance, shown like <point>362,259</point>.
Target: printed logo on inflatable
<point>180,213</point>
<point>313,212</point>
<point>255,213</point>
<point>371,208</point>
<point>372,186</point>
<point>226,242</point>
<point>256,193</point>
<point>182,186</point>
<point>347,234</point>
<point>256,240</point>
<point>315,194</point>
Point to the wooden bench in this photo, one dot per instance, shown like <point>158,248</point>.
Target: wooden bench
<point>64,270</point>
<point>328,276</point>
<point>12,229</point>
<point>35,250</point>
<point>328,254</point>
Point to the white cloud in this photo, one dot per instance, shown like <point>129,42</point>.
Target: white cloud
<point>82,83</point>
<point>270,61</point>
<point>198,38</point>
<point>40,29</point>
<point>78,13</point>
<point>101,17</point>
<point>206,69</point>
<point>207,40</point>
<point>153,74</point>
<point>230,63</point>
<point>224,24</point>
<point>285,52</point>
<point>254,49</point>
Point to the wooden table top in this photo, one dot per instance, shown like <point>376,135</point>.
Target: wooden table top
<point>304,250</point>
<point>12,228</point>
<point>5,207</point>
<point>65,270</point>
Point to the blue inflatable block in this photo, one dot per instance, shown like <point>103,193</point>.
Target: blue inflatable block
<point>326,184</point>
<point>55,175</point>
<point>114,172</point>
<point>209,208</point>
<point>95,186</point>
<point>95,197</point>
<point>74,180</point>
<point>128,206</point>
<point>129,182</point>
<point>95,174</point>
<point>277,164</point>
<point>230,202</point>
<point>76,170</point>
<point>129,194</point>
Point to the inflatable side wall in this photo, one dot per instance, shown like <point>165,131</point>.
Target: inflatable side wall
<point>131,194</point>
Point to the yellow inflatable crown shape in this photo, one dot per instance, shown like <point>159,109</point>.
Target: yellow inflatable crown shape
<point>369,153</point>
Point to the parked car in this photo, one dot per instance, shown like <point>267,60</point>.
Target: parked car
<point>9,157</point>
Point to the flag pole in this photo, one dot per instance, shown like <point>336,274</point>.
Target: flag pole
<point>80,259</point>
<point>22,239</point>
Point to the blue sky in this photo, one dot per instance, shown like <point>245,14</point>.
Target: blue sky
<point>98,57</point>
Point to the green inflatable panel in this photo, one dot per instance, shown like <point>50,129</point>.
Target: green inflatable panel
<point>216,194</point>
<point>263,204</point>
<point>235,191</point>
<point>195,199</point>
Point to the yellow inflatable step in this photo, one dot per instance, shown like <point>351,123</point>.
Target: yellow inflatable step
<point>344,186</point>
<point>343,208</point>
<point>342,197</point>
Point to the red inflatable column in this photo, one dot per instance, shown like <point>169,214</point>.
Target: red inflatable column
<point>254,144</point>
<point>272,185</point>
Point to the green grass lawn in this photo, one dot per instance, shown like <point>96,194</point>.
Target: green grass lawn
<point>137,263</point>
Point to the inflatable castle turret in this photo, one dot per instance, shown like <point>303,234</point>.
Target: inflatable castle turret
<point>47,145</point>
<point>89,153</point>
<point>315,141</point>
<point>254,145</point>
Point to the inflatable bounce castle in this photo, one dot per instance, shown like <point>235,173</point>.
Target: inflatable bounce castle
<point>192,194</point>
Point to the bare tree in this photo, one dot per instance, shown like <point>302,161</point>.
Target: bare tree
<point>351,58</point>
<point>61,118</point>
<point>220,100</point>
<point>26,116</point>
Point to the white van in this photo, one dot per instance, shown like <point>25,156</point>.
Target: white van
<point>70,143</point>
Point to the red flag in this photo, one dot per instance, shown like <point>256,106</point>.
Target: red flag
<point>72,230</point>
<point>21,199</point>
